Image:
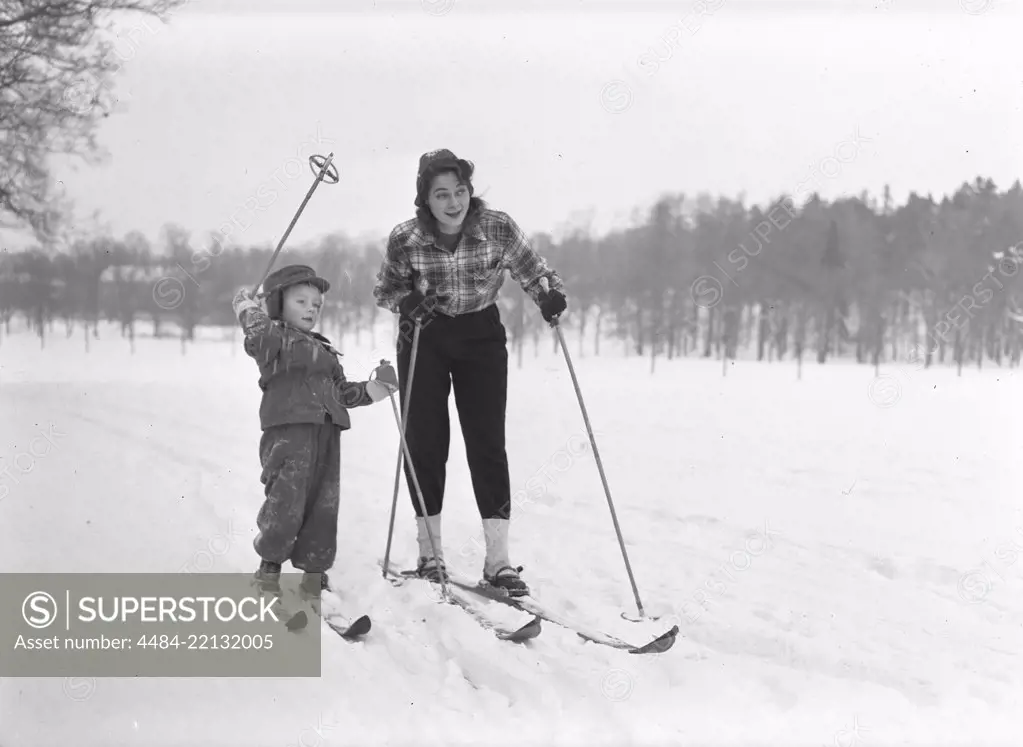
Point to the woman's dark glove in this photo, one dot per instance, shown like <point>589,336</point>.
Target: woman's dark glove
<point>415,305</point>
<point>410,305</point>
<point>552,303</point>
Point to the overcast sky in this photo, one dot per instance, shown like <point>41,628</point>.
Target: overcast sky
<point>564,107</point>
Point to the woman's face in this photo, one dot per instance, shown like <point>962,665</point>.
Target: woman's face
<point>449,201</point>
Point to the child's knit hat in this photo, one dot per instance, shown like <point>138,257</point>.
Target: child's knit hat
<point>277,281</point>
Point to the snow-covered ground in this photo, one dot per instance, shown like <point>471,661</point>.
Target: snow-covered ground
<point>840,554</point>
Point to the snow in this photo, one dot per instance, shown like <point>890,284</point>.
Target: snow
<point>843,572</point>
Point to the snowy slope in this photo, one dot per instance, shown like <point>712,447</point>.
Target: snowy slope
<point>842,572</point>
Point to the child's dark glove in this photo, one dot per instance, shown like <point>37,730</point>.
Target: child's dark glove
<point>386,375</point>
<point>383,382</point>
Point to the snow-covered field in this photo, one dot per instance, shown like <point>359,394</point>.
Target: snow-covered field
<point>843,573</point>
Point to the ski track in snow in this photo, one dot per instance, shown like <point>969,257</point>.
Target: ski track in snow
<point>812,546</point>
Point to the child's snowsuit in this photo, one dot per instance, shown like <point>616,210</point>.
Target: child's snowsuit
<point>304,410</point>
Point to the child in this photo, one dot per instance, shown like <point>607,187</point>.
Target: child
<point>302,414</point>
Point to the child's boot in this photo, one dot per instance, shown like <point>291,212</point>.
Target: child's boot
<point>268,577</point>
<point>309,586</point>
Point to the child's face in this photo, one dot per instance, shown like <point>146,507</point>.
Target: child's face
<point>302,305</point>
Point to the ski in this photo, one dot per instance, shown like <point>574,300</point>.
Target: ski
<point>530,630</point>
<point>658,645</point>
<point>353,631</point>
<point>527,632</point>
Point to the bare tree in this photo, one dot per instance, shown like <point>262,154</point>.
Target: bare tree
<point>55,65</point>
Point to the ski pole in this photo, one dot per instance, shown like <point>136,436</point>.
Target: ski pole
<point>327,173</point>
<point>401,428</point>
<point>401,419</point>
<point>394,501</point>
<point>401,453</point>
<point>411,466</point>
<point>596,454</point>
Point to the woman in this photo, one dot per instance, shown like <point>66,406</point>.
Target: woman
<point>444,268</point>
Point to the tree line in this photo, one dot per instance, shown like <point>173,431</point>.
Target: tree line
<point>858,277</point>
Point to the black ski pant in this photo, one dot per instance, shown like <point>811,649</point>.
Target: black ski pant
<point>302,479</point>
<point>467,353</point>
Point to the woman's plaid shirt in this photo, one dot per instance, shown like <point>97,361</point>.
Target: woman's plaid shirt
<point>471,275</point>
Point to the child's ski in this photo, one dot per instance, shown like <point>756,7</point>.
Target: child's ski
<point>351,632</point>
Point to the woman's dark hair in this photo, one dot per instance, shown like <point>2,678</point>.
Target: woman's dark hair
<point>463,171</point>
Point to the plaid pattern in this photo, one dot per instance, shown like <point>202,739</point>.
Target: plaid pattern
<point>471,275</point>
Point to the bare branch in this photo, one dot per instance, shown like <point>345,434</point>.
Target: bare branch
<point>56,65</point>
